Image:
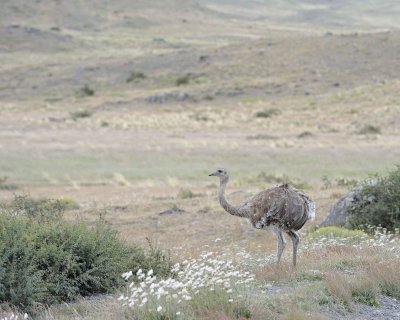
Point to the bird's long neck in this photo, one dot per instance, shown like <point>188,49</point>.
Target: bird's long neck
<point>224,203</point>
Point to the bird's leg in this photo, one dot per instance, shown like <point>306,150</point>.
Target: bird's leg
<point>295,240</point>
<point>281,242</point>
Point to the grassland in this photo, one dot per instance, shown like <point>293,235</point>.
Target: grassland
<point>76,120</point>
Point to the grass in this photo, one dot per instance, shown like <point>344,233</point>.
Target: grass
<point>84,167</point>
<point>345,270</point>
<point>337,232</point>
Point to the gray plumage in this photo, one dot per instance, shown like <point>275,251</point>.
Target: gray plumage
<point>284,208</point>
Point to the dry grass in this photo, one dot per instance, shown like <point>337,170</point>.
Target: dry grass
<point>298,314</point>
<point>386,275</point>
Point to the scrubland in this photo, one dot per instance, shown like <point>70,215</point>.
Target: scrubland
<point>121,111</point>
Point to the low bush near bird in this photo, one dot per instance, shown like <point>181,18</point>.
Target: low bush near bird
<point>379,205</point>
<point>45,260</point>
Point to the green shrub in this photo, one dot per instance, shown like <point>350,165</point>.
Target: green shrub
<point>183,80</point>
<point>45,261</point>
<point>379,205</point>
<point>369,129</point>
<point>85,91</point>
<point>268,113</point>
<point>39,210</point>
<point>80,114</point>
<point>136,76</point>
<point>305,134</point>
<point>186,194</point>
<point>67,203</point>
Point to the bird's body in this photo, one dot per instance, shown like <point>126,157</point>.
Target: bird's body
<point>284,208</point>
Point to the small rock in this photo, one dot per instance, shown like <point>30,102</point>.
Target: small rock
<point>173,210</point>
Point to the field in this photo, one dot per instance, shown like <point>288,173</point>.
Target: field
<point>127,107</point>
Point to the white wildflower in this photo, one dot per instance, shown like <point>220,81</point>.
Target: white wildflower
<point>127,275</point>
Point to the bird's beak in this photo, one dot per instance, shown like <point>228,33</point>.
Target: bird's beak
<point>212,174</point>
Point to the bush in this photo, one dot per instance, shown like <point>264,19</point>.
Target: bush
<point>135,76</point>
<point>186,194</point>
<point>85,91</point>
<point>369,129</point>
<point>80,114</point>
<point>268,113</point>
<point>379,205</point>
<point>183,80</point>
<point>45,261</point>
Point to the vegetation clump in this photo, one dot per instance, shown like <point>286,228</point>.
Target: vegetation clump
<point>187,194</point>
<point>268,113</point>
<point>85,91</point>
<point>369,129</point>
<point>379,205</point>
<point>80,114</point>
<point>337,232</point>
<point>45,259</point>
<point>183,80</point>
<point>136,76</point>
<point>7,186</point>
<point>305,134</point>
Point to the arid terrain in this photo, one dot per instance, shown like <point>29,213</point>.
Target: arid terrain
<point>127,106</point>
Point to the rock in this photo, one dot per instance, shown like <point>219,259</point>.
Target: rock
<point>338,214</point>
<point>167,97</point>
<point>174,210</point>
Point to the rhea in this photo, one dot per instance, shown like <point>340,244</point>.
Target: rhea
<point>284,208</point>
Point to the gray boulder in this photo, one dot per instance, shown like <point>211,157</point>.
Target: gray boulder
<point>338,213</point>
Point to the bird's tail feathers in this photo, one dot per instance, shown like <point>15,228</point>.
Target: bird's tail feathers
<point>311,210</point>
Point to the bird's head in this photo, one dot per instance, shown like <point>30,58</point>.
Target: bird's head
<point>221,173</point>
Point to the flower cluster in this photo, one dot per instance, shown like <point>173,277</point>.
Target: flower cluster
<point>191,276</point>
<point>13,316</point>
<point>381,239</point>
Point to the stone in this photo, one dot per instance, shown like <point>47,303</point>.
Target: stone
<point>338,213</point>
<point>174,210</point>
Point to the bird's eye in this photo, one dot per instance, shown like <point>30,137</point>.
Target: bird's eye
<point>220,171</point>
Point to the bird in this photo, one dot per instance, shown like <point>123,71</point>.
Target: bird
<point>282,207</point>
